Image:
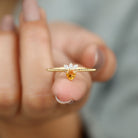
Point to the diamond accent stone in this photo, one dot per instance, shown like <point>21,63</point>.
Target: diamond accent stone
<point>66,66</point>
<point>70,66</point>
<point>75,66</point>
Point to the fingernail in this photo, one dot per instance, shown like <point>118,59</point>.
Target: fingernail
<point>31,10</point>
<point>7,23</point>
<point>63,102</point>
<point>99,59</point>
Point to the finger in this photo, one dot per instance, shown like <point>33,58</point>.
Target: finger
<point>85,48</point>
<point>106,64</point>
<point>93,53</point>
<point>99,56</point>
<point>66,91</point>
<point>35,58</point>
<point>9,70</point>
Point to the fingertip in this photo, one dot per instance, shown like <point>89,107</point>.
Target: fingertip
<point>31,10</point>
<point>108,69</point>
<point>73,90</point>
<point>7,23</point>
<point>60,90</point>
<point>88,56</point>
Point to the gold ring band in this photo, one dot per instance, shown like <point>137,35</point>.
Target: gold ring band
<point>62,69</point>
<point>70,70</point>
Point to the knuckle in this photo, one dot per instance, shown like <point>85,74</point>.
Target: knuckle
<point>36,31</point>
<point>7,99</point>
<point>36,103</point>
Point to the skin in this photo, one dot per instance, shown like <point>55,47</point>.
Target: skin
<point>28,107</point>
<point>7,7</point>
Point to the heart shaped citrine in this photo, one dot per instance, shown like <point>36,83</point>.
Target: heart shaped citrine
<point>70,74</point>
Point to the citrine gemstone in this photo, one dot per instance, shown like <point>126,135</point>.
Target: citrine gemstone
<point>70,74</point>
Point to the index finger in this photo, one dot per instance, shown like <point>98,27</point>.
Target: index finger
<point>87,49</point>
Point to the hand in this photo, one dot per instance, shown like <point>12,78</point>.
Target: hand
<point>27,90</point>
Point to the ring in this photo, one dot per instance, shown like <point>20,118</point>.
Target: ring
<point>70,70</point>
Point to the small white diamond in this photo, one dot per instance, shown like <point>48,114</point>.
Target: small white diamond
<point>75,66</point>
<point>66,66</point>
<point>70,66</point>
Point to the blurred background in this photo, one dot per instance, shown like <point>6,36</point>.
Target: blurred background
<point>112,109</point>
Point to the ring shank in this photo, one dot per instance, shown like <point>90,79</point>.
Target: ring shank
<point>62,69</point>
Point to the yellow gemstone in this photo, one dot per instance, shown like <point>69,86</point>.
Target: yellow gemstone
<point>70,74</point>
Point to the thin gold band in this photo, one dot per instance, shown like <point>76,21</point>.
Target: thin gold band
<point>62,69</point>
